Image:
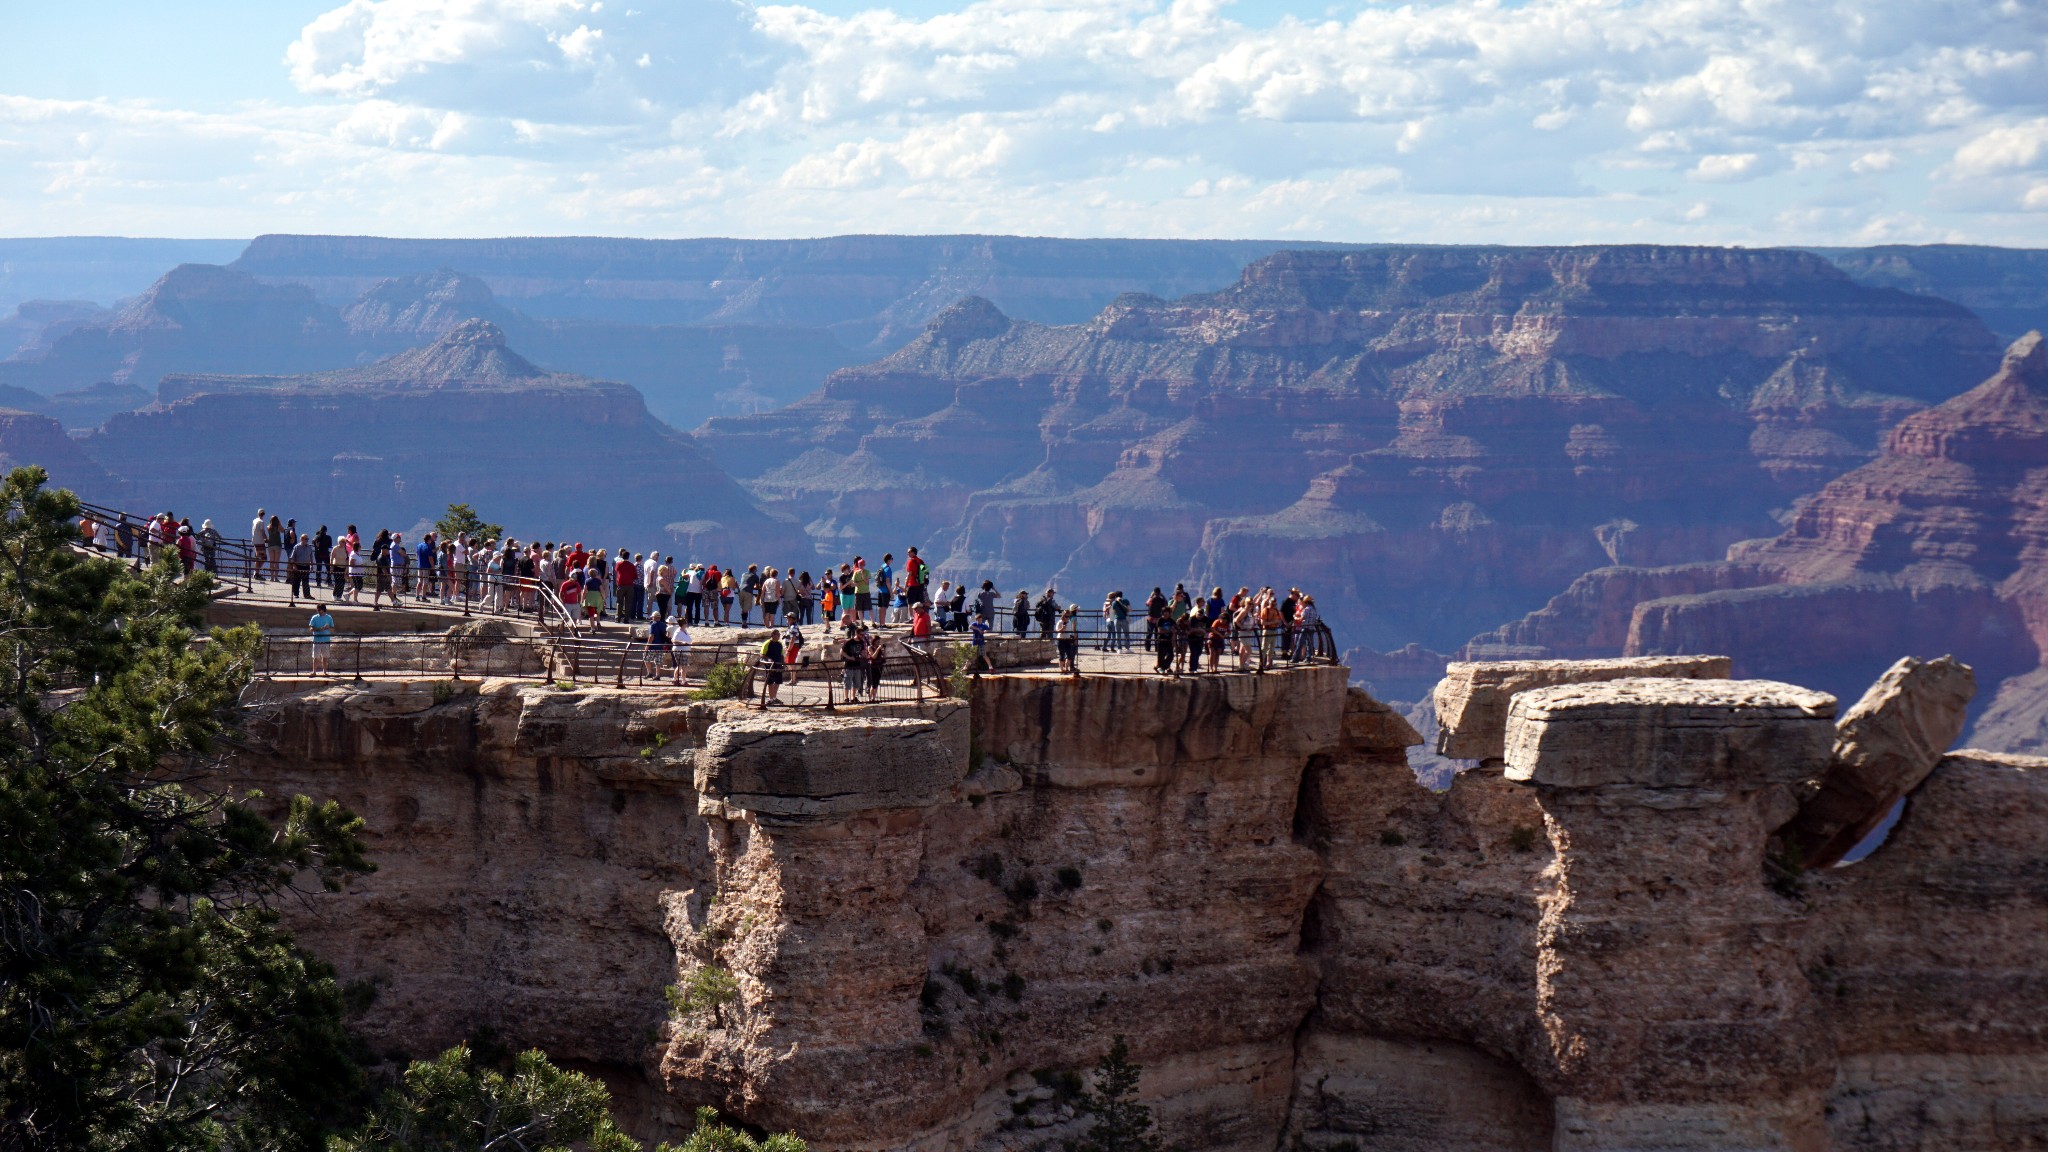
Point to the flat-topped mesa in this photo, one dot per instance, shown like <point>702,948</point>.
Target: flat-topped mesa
<point>1473,697</point>
<point>1665,944</point>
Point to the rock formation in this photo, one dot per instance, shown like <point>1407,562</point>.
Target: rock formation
<point>466,419</point>
<point>1934,547</point>
<point>1420,436</point>
<point>914,926</point>
<point>1884,747</point>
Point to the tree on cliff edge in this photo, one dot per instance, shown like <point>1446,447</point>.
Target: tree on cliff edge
<point>462,520</point>
<point>1121,1124</point>
<point>149,998</point>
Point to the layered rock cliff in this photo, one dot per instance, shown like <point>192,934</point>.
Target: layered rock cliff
<point>467,419</point>
<point>1420,436</point>
<point>914,926</point>
<point>1933,547</point>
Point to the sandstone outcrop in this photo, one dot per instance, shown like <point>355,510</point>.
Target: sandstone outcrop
<point>1658,949</point>
<point>1422,437</point>
<point>1885,745</point>
<point>914,926</point>
<point>1473,698</point>
<point>391,444</point>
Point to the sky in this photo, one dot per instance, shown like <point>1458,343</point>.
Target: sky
<point>1750,122</point>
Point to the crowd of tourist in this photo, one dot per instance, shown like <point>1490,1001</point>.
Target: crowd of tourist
<point>582,587</point>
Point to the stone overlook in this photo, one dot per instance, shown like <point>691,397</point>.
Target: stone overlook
<point>919,921</point>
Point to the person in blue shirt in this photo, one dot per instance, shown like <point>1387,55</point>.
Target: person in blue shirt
<point>426,553</point>
<point>884,578</point>
<point>322,626</point>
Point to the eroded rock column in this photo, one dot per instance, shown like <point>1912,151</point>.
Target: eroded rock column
<point>1668,978</point>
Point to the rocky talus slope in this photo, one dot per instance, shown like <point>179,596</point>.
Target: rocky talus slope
<point>1424,437</point>
<point>1938,545</point>
<point>468,419</point>
<point>915,926</point>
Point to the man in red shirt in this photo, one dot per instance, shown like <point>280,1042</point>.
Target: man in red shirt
<point>626,582</point>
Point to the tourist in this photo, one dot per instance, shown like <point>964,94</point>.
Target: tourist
<point>626,574</point>
<point>853,656</point>
<point>828,599</point>
<point>323,551</point>
<point>401,568</point>
<point>885,592</point>
<point>771,598</point>
<point>301,568</point>
<point>876,660</point>
<point>274,545</point>
<point>322,627</point>
<point>985,601</point>
<point>863,589</point>
<point>1020,614</point>
<point>679,648</point>
<point>657,647</point>
<point>1047,613</point>
<point>920,621</point>
<point>728,591</point>
<point>188,549</point>
<point>1116,622</point>
<point>259,544</point>
<point>593,593</point>
<point>958,608</point>
<point>380,557</point>
<point>1163,645</point>
<point>1069,643</point>
<point>806,598</point>
<point>664,586</point>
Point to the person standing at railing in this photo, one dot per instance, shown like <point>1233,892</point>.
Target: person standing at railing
<point>1020,614</point>
<point>958,608</point>
<point>770,589</point>
<point>209,545</point>
<point>300,568</point>
<point>985,602</point>
<point>1069,642</point>
<point>1116,622</point>
<point>1047,613</point>
<point>853,658</point>
<point>828,599</point>
<point>628,574</point>
<point>664,586</point>
<point>1306,618</point>
<point>380,560</point>
<point>1288,604</point>
<point>188,549</point>
<point>275,545</point>
<point>876,661</point>
<point>358,567</point>
<point>885,588</point>
<point>679,648</point>
<point>728,588</point>
<point>771,667</point>
<point>322,627</point>
<point>259,544</point>
<point>401,568</point>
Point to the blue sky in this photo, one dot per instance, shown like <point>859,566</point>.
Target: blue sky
<point>1717,121</point>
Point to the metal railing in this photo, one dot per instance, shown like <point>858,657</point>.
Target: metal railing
<point>900,673</point>
<point>362,657</point>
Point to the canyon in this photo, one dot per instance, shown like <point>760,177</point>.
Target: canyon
<point>1933,547</point>
<point>1429,440</point>
<point>919,924</point>
<point>393,443</point>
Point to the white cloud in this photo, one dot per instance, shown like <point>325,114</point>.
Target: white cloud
<point>1432,119</point>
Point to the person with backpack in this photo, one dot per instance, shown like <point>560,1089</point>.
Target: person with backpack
<point>1047,613</point>
<point>771,668</point>
<point>917,577</point>
<point>1020,614</point>
<point>853,657</point>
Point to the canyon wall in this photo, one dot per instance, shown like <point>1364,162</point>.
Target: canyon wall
<point>1421,437</point>
<point>1935,546</point>
<point>915,926</point>
<point>392,444</point>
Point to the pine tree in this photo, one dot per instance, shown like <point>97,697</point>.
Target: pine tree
<point>1121,1124</point>
<point>149,998</point>
<point>462,520</point>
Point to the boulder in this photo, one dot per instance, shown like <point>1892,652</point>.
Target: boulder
<point>793,768</point>
<point>1472,698</point>
<point>1884,747</point>
<point>1743,735</point>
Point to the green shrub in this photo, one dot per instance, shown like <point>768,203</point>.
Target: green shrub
<point>724,682</point>
<point>708,989</point>
<point>1522,838</point>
